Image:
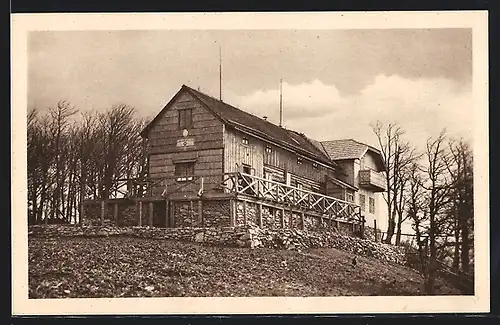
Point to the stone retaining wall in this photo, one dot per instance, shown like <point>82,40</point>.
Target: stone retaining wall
<point>252,237</point>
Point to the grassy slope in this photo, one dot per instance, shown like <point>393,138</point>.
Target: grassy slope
<point>128,267</point>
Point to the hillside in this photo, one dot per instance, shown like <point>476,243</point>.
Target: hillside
<point>124,266</point>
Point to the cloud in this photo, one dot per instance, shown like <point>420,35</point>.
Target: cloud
<point>313,99</point>
<point>423,107</point>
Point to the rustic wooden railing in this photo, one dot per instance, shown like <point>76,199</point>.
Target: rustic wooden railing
<point>239,183</point>
<point>370,178</point>
<point>285,194</point>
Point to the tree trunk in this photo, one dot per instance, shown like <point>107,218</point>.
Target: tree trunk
<point>432,265</point>
<point>465,247</point>
<point>456,248</point>
<point>391,228</point>
<point>398,230</point>
<point>33,215</point>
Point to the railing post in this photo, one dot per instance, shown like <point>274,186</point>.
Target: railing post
<point>303,220</point>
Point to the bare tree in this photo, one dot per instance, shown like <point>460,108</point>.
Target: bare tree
<point>416,210</point>
<point>60,116</point>
<point>438,187</point>
<point>460,168</point>
<point>397,155</point>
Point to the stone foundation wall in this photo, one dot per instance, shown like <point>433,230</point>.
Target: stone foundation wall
<point>272,219</point>
<point>215,213</point>
<point>250,237</point>
<point>186,214</point>
<point>126,214</point>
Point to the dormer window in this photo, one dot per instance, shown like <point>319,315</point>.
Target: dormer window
<point>268,150</point>
<point>244,141</point>
<point>299,160</point>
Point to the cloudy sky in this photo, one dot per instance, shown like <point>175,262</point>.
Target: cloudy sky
<point>335,82</point>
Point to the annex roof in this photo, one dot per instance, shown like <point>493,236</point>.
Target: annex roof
<point>347,149</point>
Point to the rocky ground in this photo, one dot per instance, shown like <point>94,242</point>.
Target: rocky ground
<point>124,266</point>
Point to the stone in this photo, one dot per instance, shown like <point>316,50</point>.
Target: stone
<point>200,237</point>
<point>245,237</point>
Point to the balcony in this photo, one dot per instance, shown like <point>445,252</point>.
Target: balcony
<point>372,181</point>
<point>234,185</point>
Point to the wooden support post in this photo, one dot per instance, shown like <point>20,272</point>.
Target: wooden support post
<point>140,214</point>
<point>245,213</point>
<point>103,211</point>
<point>375,229</point>
<point>151,213</point>
<point>232,212</point>
<point>115,213</point>
<point>303,220</point>
<point>167,214</point>
<point>200,213</point>
<point>282,218</point>
<point>191,213</point>
<point>290,225</point>
<point>260,214</point>
<point>171,205</point>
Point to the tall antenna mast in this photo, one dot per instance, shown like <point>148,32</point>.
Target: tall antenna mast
<point>220,73</point>
<point>281,102</point>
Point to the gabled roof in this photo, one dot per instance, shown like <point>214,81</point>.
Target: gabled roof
<point>347,149</point>
<point>253,125</point>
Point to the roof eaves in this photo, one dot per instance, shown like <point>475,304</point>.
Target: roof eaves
<point>146,129</point>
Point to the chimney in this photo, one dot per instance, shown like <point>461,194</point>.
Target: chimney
<point>265,118</point>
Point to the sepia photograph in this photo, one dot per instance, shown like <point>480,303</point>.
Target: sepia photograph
<point>324,161</point>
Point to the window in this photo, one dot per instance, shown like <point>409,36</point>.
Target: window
<point>349,197</point>
<point>362,202</point>
<point>247,169</point>
<point>185,118</point>
<point>315,165</point>
<point>372,205</point>
<point>268,155</point>
<point>184,171</point>
<point>299,160</point>
<point>244,141</point>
